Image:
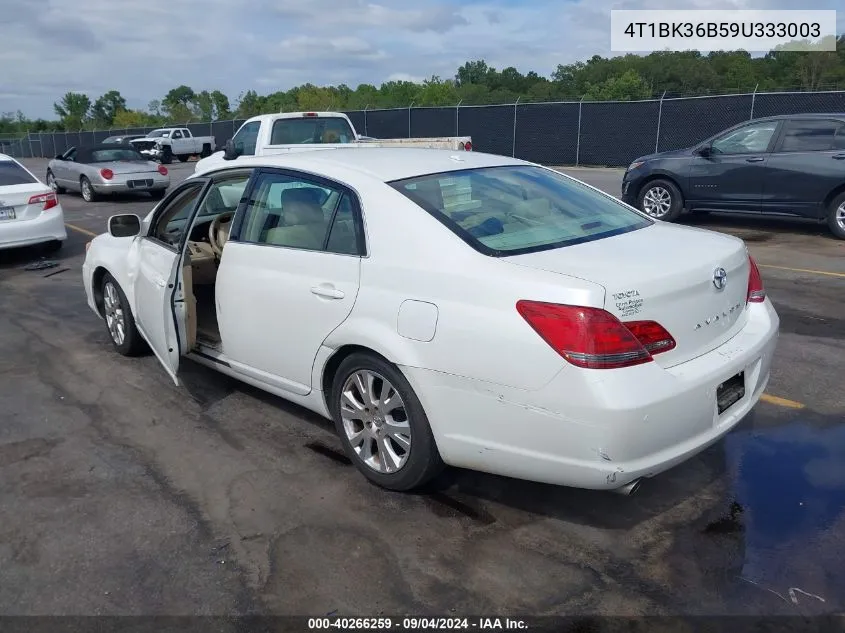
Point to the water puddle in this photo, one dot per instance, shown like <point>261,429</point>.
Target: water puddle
<point>788,486</point>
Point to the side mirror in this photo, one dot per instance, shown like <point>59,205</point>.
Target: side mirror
<point>705,151</point>
<point>231,151</point>
<point>124,225</point>
<point>59,157</point>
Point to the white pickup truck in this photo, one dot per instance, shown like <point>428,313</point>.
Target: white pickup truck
<point>168,142</point>
<point>268,134</point>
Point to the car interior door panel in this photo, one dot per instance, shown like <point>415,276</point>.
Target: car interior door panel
<point>158,281</point>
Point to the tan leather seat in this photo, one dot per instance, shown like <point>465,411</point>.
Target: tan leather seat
<point>304,221</point>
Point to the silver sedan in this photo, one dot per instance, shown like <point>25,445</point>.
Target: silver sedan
<point>106,169</point>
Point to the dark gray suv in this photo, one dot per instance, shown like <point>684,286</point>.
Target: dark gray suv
<point>791,165</point>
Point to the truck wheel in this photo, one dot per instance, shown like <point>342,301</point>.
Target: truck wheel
<point>206,150</point>
<point>166,155</point>
<point>182,157</point>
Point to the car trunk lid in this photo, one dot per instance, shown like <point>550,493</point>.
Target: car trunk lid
<point>14,202</point>
<point>127,167</point>
<point>663,273</point>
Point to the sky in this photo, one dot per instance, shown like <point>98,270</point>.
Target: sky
<point>143,48</point>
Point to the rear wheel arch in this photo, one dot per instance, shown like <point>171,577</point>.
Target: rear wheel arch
<point>333,364</point>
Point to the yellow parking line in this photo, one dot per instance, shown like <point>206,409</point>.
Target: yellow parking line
<point>81,230</point>
<point>781,402</point>
<point>804,270</point>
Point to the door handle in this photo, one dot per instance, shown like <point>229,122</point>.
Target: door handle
<point>839,157</point>
<point>328,291</point>
<point>756,159</point>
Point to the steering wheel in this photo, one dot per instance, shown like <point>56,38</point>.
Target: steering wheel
<point>218,231</point>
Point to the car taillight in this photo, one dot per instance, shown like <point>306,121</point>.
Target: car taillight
<point>162,170</point>
<point>309,114</point>
<point>49,200</point>
<point>593,338</point>
<point>756,291</point>
<point>652,335</point>
<point>468,146</point>
<point>107,174</point>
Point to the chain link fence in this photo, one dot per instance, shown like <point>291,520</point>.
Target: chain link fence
<point>589,133</point>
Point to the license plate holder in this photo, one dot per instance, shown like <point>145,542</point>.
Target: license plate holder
<point>730,392</point>
<point>140,184</point>
<point>7,213</point>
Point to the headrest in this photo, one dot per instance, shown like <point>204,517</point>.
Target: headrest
<point>301,208</point>
<point>310,195</point>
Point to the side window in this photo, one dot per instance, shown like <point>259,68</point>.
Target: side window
<point>749,139</point>
<point>176,134</point>
<point>293,212</point>
<point>71,155</point>
<point>247,137</point>
<point>225,194</point>
<point>171,222</point>
<point>344,236</point>
<point>808,135</point>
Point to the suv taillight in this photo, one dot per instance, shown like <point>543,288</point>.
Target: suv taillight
<point>756,291</point>
<point>49,200</point>
<point>593,338</point>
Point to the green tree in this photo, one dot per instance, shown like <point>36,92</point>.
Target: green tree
<point>627,87</point>
<point>72,110</point>
<point>106,107</point>
<point>177,104</point>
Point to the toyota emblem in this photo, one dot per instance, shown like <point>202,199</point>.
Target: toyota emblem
<point>720,278</point>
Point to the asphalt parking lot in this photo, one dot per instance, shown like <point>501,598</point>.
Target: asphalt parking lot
<point>121,494</point>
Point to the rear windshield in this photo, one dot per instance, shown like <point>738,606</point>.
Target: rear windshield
<point>519,209</point>
<point>111,155</point>
<point>13,174</point>
<point>310,130</point>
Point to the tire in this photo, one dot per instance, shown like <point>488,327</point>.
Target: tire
<point>420,462</point>
<point>158,194</point>
<point>664,192</point>
<point>88,193</point>
<point>836,216</point>
<point>51,182</point>
<point>206,151</point>
<point>166,155</point>
<point>183,158</point>
<point>131,344</point>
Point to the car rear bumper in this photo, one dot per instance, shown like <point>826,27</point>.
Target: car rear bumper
<point>48,226</point>
<point>152,183</point>
<point>598,429</point>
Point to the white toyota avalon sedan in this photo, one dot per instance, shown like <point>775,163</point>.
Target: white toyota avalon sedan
<point>463,309</point>
<point>30,212</point>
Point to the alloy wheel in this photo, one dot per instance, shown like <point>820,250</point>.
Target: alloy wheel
<point>375,420</point>
<point>114,313</point>
<point>657,201</point>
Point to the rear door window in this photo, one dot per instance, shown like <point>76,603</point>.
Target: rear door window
<point>13,174</point>
<point>809,135</point>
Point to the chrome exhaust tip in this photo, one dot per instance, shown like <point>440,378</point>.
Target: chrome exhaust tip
<point>629,489</point>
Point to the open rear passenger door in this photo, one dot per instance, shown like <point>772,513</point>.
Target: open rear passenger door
<point>162,299</point>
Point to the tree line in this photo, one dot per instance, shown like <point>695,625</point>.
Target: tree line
<point>628,77</point>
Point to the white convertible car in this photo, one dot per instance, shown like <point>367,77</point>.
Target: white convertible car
<point>466,309</point>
